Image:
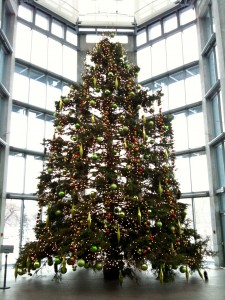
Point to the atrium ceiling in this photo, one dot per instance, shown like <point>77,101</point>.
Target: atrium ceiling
<point>108,12</point>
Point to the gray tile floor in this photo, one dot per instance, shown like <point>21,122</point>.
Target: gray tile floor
<point>85,284</point>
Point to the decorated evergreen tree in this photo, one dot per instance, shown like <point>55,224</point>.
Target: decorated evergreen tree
<point>108,187</point>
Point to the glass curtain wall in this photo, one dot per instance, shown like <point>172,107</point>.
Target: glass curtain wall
<point>168,63</point>
<point>7,19</point>
<point>45,67</point>
<point>211,24</point>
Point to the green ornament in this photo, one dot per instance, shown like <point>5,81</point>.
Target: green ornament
<point>158,224</point>
<point>113,186</point>
<point>99,139</point>
<point>61,194</point>
<point>58,260</point>
<point>94,156</point>
<point>58,212</point>
<point>121,214</point>
<point>77,125</point>
<point>144,267</point>
<point>92,194</point>
<point>125,129</point>
<point>80,263</point>
<point>50,170</point>
<point>110,74</point>
<point>36,264</point>
<point>94,248</point>
<point>151,123</point>
<point>63,270</point>
<point>98,266</point>
<point>86,265</point>
<point>92,103</point>
<point>183,269</point>
<point>107,92</point>
<point>172,228</point>
<point>114,105</point>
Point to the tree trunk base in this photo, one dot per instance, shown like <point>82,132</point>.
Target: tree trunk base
<point>111,273</point>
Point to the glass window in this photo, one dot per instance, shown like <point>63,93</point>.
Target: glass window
<point>176,90</point>
<point>53,92</point>
<point>174,51</point>
<point>199,172</point>
<point>15,176</point>
<point>192,173</point>
<point>49,127</point>
<point>37,93</point>
<point>12,227</point>
<point>71,36</point>
<point>187,15</point>
<point>35,132</point>
<point>144,63</point>
<point>220,164</point>
<point>196,130</point>
<point>202,218</point>
<point>211,58</point>
<point>188,127</point>
<point>193,85</point>
<point>216,115</point>
<point>3,117</point>
<point>182,173</point>
<point>42,20</point>
<point>22,48</point>
<point>55,57</point>
<point>29,220</point>
<point>180,131</point>
<point>34,165</point>
<point>65,89</point>
<point>57,28</point>
<point>170,23</point>
<point>189,37</point>
<point>25,12</point>
<point>208,24</point>
<point>18,131</point>
<point>21,79</point>
<point>158,58</point>
<point>69,63</point>
<point>155,30</point>
<point>39,49</point>
<point>141,38</point>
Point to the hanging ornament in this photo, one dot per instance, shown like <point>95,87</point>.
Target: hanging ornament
<point>144,134</point>
<point>139,215</point>
<point>116,83</point>
<point>144,119</point>
<point>92,119</point>
<point>187,273</point>
<point>161,275</point>
<point>94,82</point>
<point>125,143</point>
<point>81,150</point>
<point>118,234</point>
<point>60,104</point>
<point>89,220</point>
<point>160,189</point>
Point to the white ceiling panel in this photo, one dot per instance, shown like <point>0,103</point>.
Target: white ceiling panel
<point>107,12</point>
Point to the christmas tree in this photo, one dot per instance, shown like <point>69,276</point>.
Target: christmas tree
<point>108,187</point>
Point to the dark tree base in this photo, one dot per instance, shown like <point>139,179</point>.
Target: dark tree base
<point>111,273</point>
